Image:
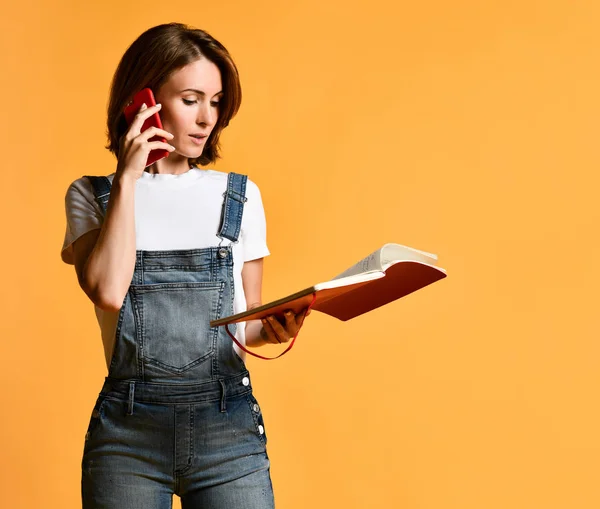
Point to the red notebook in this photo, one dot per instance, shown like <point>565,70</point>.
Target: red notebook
<point>387,274</point>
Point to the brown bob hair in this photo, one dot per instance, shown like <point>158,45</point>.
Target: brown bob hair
<point>150,61</point>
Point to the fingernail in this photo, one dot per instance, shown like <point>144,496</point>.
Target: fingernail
<point>159,105</point>
<point>143,107</point>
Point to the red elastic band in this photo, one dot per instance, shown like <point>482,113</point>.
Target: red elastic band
<point>282,353</point>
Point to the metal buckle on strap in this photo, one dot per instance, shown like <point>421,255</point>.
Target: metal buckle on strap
<point>235,196</point>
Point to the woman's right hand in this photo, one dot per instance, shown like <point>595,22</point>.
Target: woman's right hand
<point>134,146</point>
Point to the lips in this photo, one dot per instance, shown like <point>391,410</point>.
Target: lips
<point>198,139</point>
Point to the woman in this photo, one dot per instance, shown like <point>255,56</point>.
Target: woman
<point>161,251</point>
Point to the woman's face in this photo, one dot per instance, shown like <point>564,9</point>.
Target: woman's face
<point>190,100</point>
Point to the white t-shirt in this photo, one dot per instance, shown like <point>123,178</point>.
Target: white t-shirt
<point>173,212</point>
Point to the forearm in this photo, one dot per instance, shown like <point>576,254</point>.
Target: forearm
<point>110,265</point>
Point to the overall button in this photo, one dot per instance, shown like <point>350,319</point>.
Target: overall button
<point>261,430</point>
<point>255,408</point>
<point>245,381</point>
<point>222,252</point>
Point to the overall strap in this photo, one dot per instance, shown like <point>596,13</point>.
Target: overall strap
<point>233,207</point>
<point>101,186</point>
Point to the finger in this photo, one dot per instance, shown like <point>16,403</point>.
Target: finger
<point>271,336</point>
<point>266,332</point>
<point>139,119</point>
<point>290,322</point>
<point>155,131</point>
<point>281,333</point>
<point>280,329</point>
<point>154,145</point>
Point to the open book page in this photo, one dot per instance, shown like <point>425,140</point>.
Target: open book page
<point>371,263</point>
<point>393,253</point>
<point>350,280</point>
<point>389,254</point>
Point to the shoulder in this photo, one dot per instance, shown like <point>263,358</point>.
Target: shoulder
<point>252,186</point>
<point>252,189</point>
<point>83,185</point>
<point>80,199</point>
<point>80,191</point>
<point>83,213</point>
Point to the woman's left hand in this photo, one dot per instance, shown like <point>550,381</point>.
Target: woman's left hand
<point>274,332</point>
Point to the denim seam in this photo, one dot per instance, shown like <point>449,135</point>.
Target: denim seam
<point>142,269</point>
<point>139,326</point>
<point>113,357</point>
<point>232,293</point>
<point>216,399</point>
<point>183,369</point>
<point>153,287</point>
<point>175,471</point>
<point>182,471</point>
<point>215,333</point>
<point>182,268</point>
<point>191,438</point>
<point>238,376</point>
<point>96,417</point>
<point>255,418</point>
<point>169,402</point>
<point>185,253</point>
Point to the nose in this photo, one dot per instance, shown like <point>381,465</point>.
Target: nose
<point>207,115</point>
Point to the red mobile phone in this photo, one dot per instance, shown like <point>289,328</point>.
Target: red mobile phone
<point>146,96</point>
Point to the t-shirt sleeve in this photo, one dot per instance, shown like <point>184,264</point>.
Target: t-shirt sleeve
<point>83,215</point>
<point>253,234</point>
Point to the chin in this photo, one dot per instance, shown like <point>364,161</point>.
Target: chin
<point>190,154</point>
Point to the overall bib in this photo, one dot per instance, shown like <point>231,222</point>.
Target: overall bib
<point>176,414</point>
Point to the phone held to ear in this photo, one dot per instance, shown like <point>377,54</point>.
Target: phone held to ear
<point>146,96</point>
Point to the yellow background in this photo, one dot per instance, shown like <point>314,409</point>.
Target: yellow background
<point>464,128</point>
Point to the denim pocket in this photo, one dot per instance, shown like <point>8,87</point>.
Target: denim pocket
<point>257,417</point>
<point>172,322</point>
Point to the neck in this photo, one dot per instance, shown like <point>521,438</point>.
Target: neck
<point>161,166</point>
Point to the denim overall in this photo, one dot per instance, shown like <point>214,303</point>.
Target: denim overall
<point>176,414</point>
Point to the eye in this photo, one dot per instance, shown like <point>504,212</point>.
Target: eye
<point>188,102</point>
<point>215,104</point>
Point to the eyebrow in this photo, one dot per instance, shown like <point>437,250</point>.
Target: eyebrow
<point>199,92</point>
